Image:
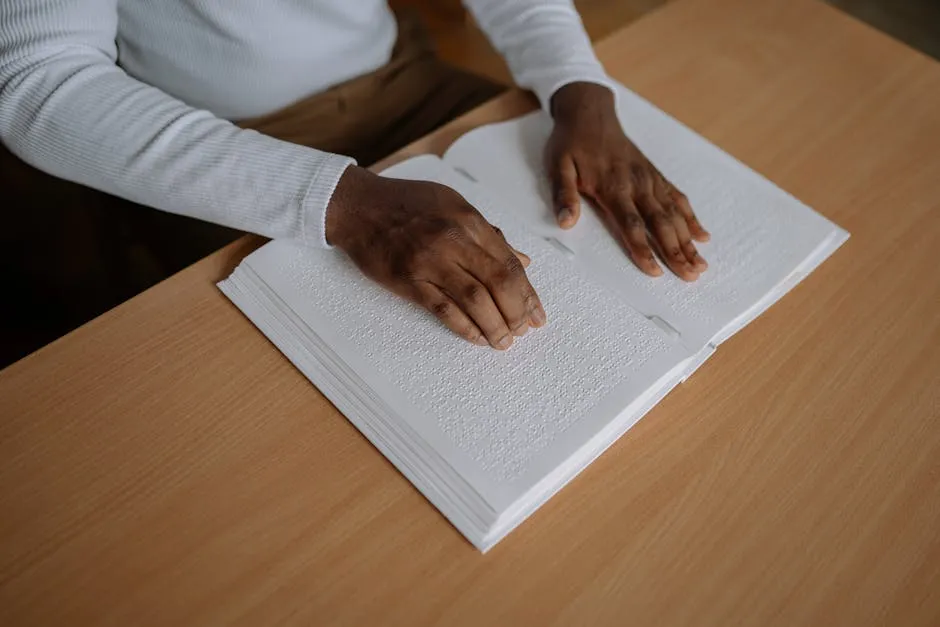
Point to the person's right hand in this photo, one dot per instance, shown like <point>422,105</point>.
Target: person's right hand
<point>424,242</point>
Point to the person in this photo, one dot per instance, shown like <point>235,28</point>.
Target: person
<point>199,109</point>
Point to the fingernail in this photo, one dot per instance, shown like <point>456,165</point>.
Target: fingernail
<point>521,328</point>
<point>538,317</point>
<point>565,215</point>
<point>700,261</point>
<point>504,342</point>
<point>480,341</point>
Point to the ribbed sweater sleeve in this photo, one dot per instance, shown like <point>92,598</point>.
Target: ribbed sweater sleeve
<point>543,41</point>
<point>68,109</point>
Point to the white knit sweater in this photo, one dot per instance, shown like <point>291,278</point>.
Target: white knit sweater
<point>133,97</point>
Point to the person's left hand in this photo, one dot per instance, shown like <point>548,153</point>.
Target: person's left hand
<point>588,153</point>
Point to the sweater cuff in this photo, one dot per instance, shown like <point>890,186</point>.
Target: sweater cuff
<point>317,199</point>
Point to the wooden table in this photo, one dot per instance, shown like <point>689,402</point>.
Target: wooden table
<point>164,464</point>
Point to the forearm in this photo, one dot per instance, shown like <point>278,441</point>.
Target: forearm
<point>71,112</point>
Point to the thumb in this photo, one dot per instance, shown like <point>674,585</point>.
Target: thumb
<point>565,198</point>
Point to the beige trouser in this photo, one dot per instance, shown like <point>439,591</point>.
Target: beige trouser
<point>69,253</point>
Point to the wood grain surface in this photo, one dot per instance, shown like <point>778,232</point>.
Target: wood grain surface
<point>165,465</point>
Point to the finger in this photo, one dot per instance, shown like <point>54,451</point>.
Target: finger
<point>685,239</point>
<point>474,299</point>
<point>524,258</point>
<point>624,221</point>
<point>681,226</point>
<point>565,198</point>
<point>664,234</point>
<point>536,312</point>
<point>504,275</point>
<point>449,313</point>
<point>696,230</point>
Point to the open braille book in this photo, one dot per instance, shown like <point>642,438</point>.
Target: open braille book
<point>489,436</point>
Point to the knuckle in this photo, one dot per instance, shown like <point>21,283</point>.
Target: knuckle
<point>530,299</point>
<point>512,266</point>
<point>632,221</point>
<point>500,278</point>
<point>452,233</point>
<point>472,292</point>
<point>440,235</point>
<point>506,274</point>
<point>441,308</point>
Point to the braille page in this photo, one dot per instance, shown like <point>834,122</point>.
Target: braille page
<point>760,234</point>
<point>503,420</point>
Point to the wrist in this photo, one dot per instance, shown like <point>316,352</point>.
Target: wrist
<point>350,196</point>
<point>578,100</point>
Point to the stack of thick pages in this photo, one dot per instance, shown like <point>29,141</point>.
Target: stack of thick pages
<point>489,436</point>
